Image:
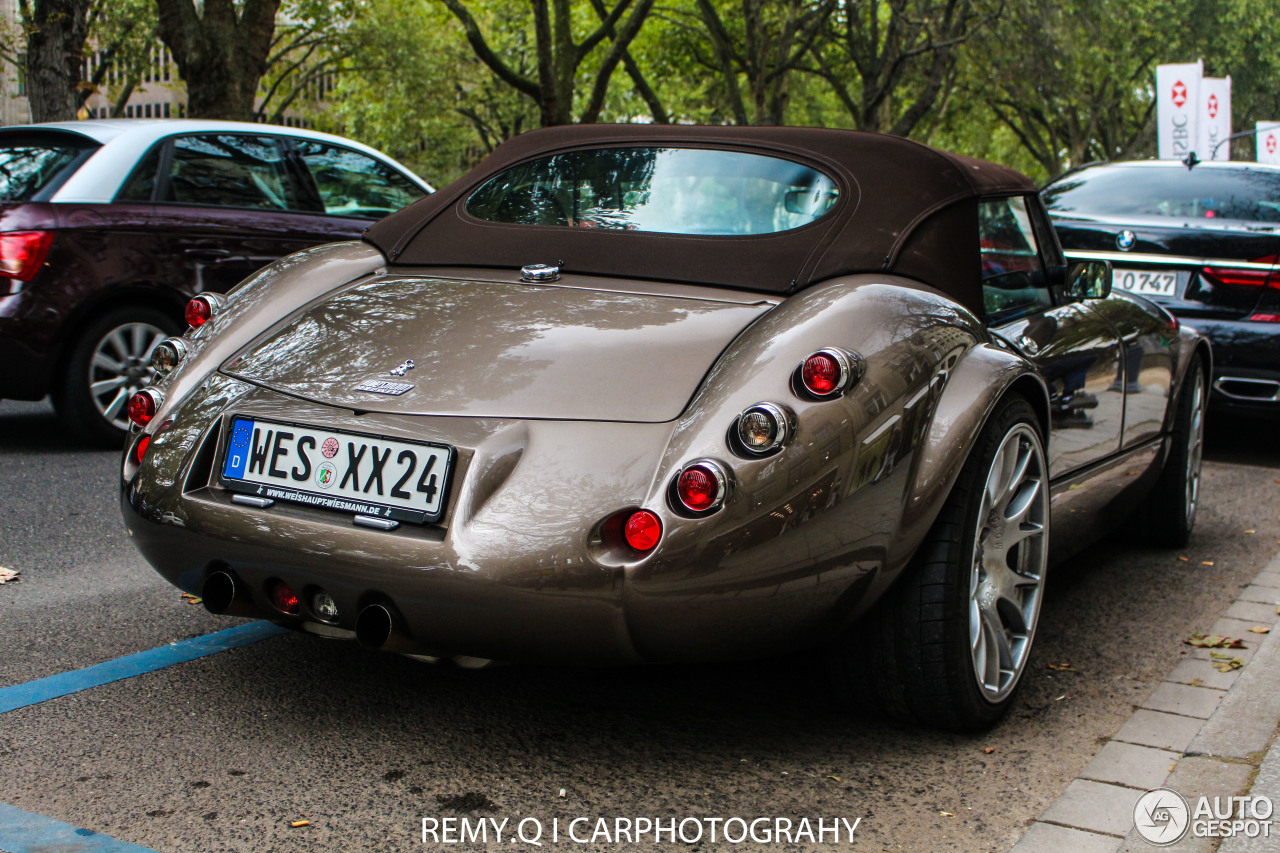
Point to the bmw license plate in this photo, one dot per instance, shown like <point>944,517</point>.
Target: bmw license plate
<point>1145,282</point>
<point>333,469</point>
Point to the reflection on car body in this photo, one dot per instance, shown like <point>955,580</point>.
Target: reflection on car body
<point>855,412</point>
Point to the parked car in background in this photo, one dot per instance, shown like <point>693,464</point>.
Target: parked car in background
<point>1202,242</point>
<point>630,394</point>
<point>108,228</point>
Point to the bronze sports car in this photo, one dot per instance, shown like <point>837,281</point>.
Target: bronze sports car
<point>630,394</point>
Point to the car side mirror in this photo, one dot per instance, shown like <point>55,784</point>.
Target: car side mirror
<point>1089,280</point>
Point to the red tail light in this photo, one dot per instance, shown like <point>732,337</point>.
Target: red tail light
<point>141,450</point>
<point>142,406</point>
<point>1264,276</point>
<point>22,253</point>
<point>642,530</point>
<point>283,598</point>
<point>202,308</point>
<point>701,486</point>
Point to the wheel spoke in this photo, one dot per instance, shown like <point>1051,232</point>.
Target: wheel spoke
<point>102,361</point>
<point>113,408</point>
<point>98,389</point>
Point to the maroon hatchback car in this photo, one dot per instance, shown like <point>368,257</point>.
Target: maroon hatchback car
<point>108,228</point>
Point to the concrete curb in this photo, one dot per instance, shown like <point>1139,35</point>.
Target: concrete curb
<point>1201,732</point>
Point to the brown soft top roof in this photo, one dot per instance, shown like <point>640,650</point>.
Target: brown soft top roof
<point>889,188</point>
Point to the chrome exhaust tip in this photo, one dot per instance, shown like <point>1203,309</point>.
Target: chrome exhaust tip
<point>379,627</point>
<point>223,594</point>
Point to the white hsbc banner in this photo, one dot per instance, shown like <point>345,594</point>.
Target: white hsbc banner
<point>1214,119</point>
<point>1178,108</point>
<point>1268,141</point>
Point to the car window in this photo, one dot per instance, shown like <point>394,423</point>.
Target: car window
<point>354,184</point>
<point>142,181</point>
<point>1013,278</point>
<point>231,170</point>
<point>665,190</point>
<point>1205,192</point>
<point>34,165</point>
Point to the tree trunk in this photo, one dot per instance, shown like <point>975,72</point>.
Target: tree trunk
<point>221,54</point>
<point>56,31</point>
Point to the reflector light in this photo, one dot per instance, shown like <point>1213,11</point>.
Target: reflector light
<point>202,308</point>
<point>141,450</point>
<point>1245,277</point>
<point>168,354</point>
<point>22,253</point>
<point>143,405</point>
<point>700,487</point>
<point>642,530</point>
<point>283,598</point>
<point>763,427</point>
<point>323,605</point>
<point>1264,318</point>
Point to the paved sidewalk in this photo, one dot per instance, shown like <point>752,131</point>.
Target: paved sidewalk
<point>1201,732</point>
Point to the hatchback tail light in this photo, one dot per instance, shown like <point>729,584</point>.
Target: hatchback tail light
<point>22,254</point>
<point>1260,272</point>
<point>642,530</point>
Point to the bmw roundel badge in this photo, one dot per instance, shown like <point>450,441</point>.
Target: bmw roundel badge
<point>1125,239</point>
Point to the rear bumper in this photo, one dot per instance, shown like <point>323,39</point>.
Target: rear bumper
<point>1246,365</point>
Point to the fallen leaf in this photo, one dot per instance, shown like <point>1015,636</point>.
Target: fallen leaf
<point>7,575</point>
<point>1251,531</point>
<point>1206,562</point>
<point>947,814</point>
<point>837,778</point>
<point>1195,682</point>
<point>1062,667</point>
<point>191,599</point>
<point>1184,559</point>
<point>1226,664</point>
<point>988,750</point>
<point>297,823</point>
<point>1200,641</point>
<point>1258,629</point>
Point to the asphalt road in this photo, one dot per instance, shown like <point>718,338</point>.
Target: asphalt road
<point>224,752</point>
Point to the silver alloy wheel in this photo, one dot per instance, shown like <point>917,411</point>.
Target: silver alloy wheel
<point>1009,559</point>
<point>121,364</point>
<point>1195,445</point>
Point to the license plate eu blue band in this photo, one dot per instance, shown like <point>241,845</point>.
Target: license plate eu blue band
<point>337,470</point>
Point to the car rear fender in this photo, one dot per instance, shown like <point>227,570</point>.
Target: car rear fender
<point>1190,343</point>
<point>981,378</point>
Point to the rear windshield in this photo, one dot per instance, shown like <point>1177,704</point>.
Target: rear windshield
<point>666,190</point>
<point>1181,193</point>
<point>34,165</point>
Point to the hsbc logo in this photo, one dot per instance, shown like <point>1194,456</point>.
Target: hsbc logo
<point>1271,143</point>
<point>1179,94</point>
<point>1212,106</point>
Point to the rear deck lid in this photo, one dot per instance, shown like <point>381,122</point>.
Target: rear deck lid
<point>437,346</point>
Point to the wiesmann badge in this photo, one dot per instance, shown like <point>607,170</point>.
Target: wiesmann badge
<point>382,386</point>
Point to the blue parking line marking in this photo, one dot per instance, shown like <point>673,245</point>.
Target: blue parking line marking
<point>24,832</point>
<point>62,684</point>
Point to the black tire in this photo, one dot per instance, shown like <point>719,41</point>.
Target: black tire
<point>913,657</point>
<point>1168,516</point>
<point>109,360</point>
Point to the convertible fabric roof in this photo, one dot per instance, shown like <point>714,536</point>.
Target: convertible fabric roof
<point>902,209</point>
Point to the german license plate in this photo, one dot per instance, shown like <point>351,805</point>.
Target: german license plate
<point>1145,282</point>
<point>338,470</point>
